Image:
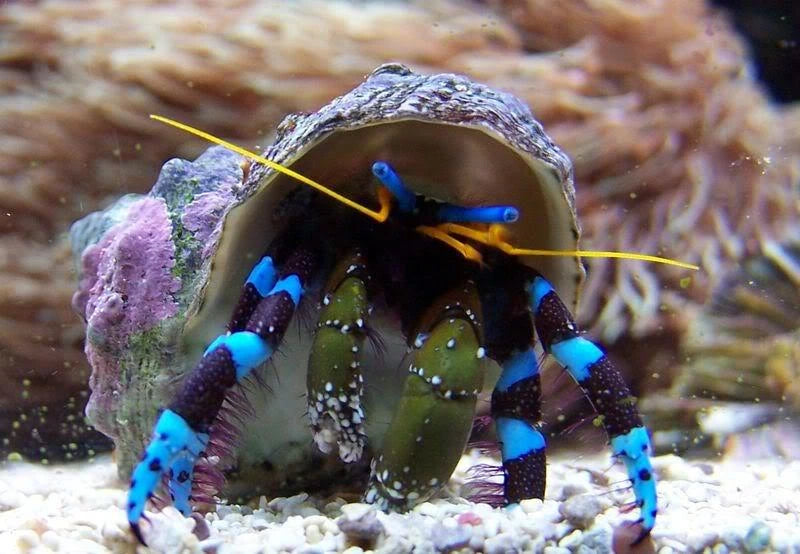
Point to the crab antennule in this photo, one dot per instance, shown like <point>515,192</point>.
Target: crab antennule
<point>496,234</point>
<point>182,431</point>
<point>604,386</point>
<point>432,422</point>
<point>516,410</point>
<point>334,381</point>
<point>406,198</point>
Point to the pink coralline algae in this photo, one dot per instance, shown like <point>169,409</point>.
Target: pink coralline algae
<point>140,260</point>
<point>131,266</point>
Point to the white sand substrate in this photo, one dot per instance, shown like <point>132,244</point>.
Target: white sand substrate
<point>704,506</point>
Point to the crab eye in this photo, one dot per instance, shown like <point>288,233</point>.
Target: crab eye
<point>488,214</point>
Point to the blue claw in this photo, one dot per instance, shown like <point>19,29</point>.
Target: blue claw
<point>174,444</point>
<point>450,213</point>
<point>634,449</point>
<point>180,482</point>
<point>406,199</point>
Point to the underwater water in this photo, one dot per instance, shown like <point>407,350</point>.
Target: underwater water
<point>677,128</point>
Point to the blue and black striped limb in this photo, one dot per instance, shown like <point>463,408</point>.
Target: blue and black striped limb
<point>517,412</point>
<point>260,319</point>
<point>605,388</point>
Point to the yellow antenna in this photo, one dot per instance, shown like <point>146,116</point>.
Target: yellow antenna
<point>379,216</point>
<point>494,236</point>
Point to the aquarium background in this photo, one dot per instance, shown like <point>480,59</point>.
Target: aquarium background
<point>681,119</point>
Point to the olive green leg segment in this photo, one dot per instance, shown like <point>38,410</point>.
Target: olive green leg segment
<point>334,383</point>
<point>433,420</point>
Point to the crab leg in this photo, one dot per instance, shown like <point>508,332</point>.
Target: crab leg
<point>434,417</point>
<point>335,384</point>
<point>181,433</point>
<point>603,384</point>
<point>516,410</point>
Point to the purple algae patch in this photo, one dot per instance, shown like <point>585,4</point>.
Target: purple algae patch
<point>138,258</point>
<point>126,287</point>
<point>130,274</point>
<point>203,218</point>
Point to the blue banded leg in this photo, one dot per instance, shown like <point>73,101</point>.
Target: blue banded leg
<point>182,431</point>
<point>258,284</point>
<point>335,385</point>
<point>604,386</point>
<point>516,410</point>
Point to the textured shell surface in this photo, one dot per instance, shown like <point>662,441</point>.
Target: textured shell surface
<point>159,273</point>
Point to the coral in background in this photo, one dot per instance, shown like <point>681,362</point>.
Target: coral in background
<point>740,366</point>
<point>677,150</point>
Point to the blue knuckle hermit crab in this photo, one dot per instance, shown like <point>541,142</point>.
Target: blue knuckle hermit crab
<point>428,282</point>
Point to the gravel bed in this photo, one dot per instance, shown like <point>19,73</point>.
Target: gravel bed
<point>705,506</point>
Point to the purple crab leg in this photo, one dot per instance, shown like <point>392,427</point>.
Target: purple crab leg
<point>258,284</point>
<point>516,410</point>
<point>604,386</point>
<point>182,431</point>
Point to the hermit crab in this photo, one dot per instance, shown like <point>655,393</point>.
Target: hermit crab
<point>423,229</point>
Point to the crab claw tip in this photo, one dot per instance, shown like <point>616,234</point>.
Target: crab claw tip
<point>137,532</point>
<point>643,533</point>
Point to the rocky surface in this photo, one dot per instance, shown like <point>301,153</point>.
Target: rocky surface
<point>705,506</point>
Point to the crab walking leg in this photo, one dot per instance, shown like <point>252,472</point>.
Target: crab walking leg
<point>173,438</point>
<point>182,431</point>
<point>432,422</point>
<point>604,386</point>
<point>334,383</point>
<point>258,284</point>
<point>516,410</point>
